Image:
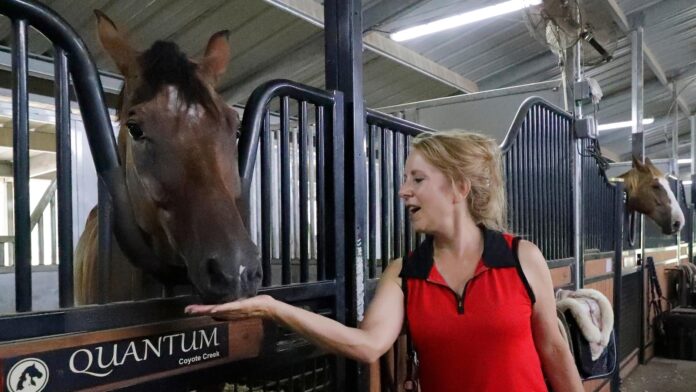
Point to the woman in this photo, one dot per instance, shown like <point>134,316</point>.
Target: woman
<point>479,303</point>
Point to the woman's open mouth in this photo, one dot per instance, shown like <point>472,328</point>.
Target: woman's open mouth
<point>413,209</point>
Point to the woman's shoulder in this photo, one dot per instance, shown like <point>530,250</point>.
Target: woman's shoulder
<point>531,259</point>
<point>393,271</point>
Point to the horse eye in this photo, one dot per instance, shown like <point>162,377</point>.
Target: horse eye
<point>134,129</point>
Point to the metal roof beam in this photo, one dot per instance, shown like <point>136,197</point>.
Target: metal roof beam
<point>313,12</point>
<point>650,58</point>
<point>385,11</point>
<point>516,74</point>
<point>42,67</point>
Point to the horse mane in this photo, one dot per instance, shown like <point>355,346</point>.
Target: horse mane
<point>164,64</point>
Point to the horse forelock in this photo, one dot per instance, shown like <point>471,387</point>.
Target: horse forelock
<point>634,176</point>
<point>164,65</point>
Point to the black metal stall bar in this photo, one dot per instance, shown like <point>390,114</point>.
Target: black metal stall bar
<point>20,151</point>
<point>599,220</point>
<point>257,135</point>
<point>538,151</point>
<point>390,235</point>
<point>64,174</point>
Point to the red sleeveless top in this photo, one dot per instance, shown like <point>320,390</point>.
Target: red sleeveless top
<point>483,340</point>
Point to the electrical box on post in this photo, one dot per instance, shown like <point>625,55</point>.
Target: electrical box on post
<point>585,128</point>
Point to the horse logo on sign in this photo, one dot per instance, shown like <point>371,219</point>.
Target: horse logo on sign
<point>28,375</point>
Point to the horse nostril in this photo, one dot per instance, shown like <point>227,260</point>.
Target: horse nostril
<point>217,277</point>
<point>676,224</point>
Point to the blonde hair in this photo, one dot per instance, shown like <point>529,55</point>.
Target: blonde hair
<point>474,158</point>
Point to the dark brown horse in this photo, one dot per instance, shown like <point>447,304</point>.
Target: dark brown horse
<point>648,192</point>
<point>177,145</point>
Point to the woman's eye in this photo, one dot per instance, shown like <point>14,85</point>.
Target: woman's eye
<point>418,180</point>
<point>134,129</point>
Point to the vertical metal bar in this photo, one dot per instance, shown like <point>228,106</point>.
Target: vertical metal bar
<point>20,145</point>
<point>304,192</point>
<point>105,215</point>
<point>398,208</point>
<point>320,132</point>
<point>10,219</point>
<point>692,123</point>
<point>372,217</point>
<point>42,243</point>
<point>577,214</point>
<point>638,145</point>
<point>526,210</point>
<point>384,196</point>
<point>336,226</point>
<point>54,237</point>
<point>408,245</point>
<point>266,212</point>
<point>344,72</point>
<point>285,207</point>
<point>618,267</point>
<point>559,164</point>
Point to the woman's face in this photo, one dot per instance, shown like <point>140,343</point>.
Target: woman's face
<point>428,194</point>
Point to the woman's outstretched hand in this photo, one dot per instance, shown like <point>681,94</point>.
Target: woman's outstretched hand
<point>260,306</point>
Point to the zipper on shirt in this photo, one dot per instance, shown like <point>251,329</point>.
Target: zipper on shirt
<point>458,299</point>
<point>460,303</point>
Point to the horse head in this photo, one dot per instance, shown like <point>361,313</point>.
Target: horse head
<point>177,144</point>
<point>649,193</point>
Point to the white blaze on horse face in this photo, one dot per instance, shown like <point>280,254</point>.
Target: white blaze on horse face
<point>677,214</point>
<point>172,99</point>
<point>194,112</point>
<point>241,270</point>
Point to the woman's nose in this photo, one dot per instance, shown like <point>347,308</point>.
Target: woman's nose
<point>404,192</point>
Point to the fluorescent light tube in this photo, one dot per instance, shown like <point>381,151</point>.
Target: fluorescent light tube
<point>623,124</point>
<point>462,19</point>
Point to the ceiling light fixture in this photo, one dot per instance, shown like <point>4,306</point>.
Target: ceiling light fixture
<point>623,124</point>
<point>462,19</point>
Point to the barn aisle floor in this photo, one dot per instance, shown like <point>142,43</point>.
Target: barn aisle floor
<point>662,375</point>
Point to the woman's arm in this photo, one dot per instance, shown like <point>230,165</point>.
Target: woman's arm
<point>376,334</point>
<point>556,359</point>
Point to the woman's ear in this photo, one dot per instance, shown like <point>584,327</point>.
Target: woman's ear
<point>461,190</point>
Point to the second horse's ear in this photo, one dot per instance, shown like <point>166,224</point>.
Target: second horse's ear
<point>114,43</point>
<point>638,164</point>
<point>217,56</point>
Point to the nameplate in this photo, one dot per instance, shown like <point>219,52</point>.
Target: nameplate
<point>80,367</point>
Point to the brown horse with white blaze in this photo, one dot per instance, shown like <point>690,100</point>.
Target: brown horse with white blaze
<point>177,145</point>
<point>648,192</point>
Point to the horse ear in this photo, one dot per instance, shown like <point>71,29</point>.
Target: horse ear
<point>114,43</point>
<point>636,161</point>
<point>217,56</point>
<point>639,165</point>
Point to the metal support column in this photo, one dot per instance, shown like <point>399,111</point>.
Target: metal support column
<point>637,143</point>
<point>638,150</point>
<point>692,122</point>
<point>618,276</point>
<point>344,48</point>
<point>578,250</point>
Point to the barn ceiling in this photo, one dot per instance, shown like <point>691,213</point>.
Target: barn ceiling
<point>284,39</point>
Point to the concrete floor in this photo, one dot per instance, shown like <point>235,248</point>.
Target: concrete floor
<point>662,375</point>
